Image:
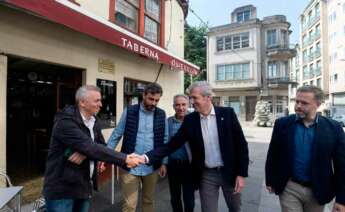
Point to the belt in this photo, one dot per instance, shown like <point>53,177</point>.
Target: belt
<point>303,183</point>
<point>218,168</point>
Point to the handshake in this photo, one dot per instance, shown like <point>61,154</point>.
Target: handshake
<point>133,160</point>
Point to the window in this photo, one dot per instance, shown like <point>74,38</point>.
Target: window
<point>335,78</point>
<point>272,69</point>
<point>220,44</point>
<point>221,72</point>
<point>228,42</point>
<point>318,47</point>
<point>317,9</point>
<point>151,30</point>
<point>233,41</point>
<point>343,7</point>
<point>311,70</point>
<point>126,15</point>
<point>305,72</point>
<point>285,38</point>
<point>152,8</point>
<point>245,40</point>
<point>245,71</point>
<point>233,72</point>
<point>152,20</point>
<point>237,42</point>
<point>243,16</point>
<point>317,29</point>
<point>271,38</point>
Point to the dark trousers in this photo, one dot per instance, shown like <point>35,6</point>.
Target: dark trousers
<point>212,180</point>
<point>68,205</point>
<point>180,181</point>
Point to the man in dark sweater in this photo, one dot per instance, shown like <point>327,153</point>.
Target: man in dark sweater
<point>76,145</point>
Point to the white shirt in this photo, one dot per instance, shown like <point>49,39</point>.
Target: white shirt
<point>211,140</point>
<point>90,123</point>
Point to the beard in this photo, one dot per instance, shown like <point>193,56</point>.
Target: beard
<point>301,114</point>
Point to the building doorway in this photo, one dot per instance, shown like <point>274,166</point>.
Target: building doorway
<point>250,107</point>
<point>36,90</point>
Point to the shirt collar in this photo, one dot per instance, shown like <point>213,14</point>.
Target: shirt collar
<point>212,113</point>
<point>91,119</point>
<point>299,120</point>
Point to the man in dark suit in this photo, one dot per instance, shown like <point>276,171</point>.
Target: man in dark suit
<point>219,150</point>
<point>306,158</point>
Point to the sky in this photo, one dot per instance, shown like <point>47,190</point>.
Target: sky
<point>217,12</point>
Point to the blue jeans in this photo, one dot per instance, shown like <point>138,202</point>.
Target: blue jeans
<point>68,205</point>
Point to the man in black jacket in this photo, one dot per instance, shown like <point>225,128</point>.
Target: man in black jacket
<point>76,145</point>
<point>218,146</point>
<point>306,158</point>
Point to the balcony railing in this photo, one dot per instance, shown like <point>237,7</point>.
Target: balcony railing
<point>287,50</point>
<point>281,80</point>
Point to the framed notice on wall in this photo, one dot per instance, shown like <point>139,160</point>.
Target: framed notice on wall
<point>107,113</point>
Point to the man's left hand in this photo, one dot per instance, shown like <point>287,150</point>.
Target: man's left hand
<point>77,158</point>
<point>239,185</point>
<point>338,207</point>
<point>162,171</point>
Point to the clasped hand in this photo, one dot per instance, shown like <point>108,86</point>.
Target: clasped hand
<point>133,160</point>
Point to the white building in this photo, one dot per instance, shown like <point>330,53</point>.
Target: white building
<point>336,49</point>
<point>248,60</point>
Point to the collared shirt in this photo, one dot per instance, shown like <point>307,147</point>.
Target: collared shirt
<point>303,146</point>
<point>182,153</point>
<point>211,140</point>
<point>90,123</point>
<point>144,140</point>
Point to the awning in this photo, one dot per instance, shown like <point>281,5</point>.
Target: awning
<point>72,16</point>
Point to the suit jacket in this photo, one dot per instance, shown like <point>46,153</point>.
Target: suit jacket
<point>233,146</point>
<point>328,158</point>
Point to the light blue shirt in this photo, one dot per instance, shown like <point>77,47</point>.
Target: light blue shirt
<point>144,140</point>
<point>174,125</point>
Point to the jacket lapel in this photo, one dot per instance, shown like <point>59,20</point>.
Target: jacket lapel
<point>198,133</point>
<point>291,138</point>
<point>220,127</point>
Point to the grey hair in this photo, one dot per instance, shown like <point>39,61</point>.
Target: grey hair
<point>180,95</point>
<point>205,87</point>
<point>318,93</point>
<point>81,93</point>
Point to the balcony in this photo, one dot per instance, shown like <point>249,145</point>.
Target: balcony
<point>281,81</point>
<point>281,51</point>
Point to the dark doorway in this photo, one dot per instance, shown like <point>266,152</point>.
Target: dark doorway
<point>35,91</point>
<point>250,107</point>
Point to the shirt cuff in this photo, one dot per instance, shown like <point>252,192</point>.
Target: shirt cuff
<point>146,159</point>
